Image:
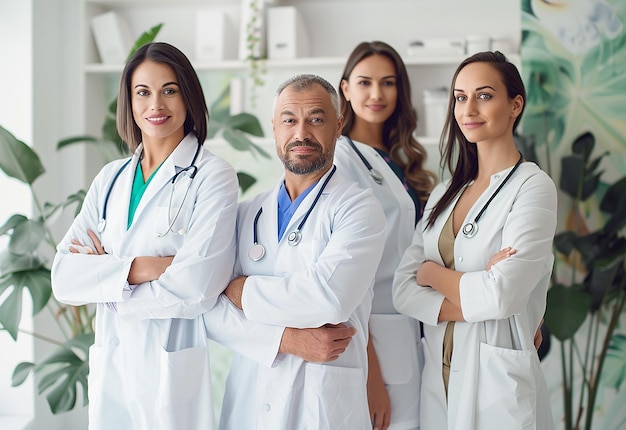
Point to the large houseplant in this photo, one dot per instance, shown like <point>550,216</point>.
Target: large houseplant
<point>588,294</point>
<point>24,264</point>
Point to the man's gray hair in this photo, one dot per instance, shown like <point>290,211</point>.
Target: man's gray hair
<point>306,81</point>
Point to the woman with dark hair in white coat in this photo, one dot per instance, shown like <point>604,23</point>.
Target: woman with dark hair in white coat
<point>153,247</point>
<point>478,269</point>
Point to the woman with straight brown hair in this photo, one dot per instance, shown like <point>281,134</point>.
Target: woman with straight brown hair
<point>153,248</point>
<point>478,269</point>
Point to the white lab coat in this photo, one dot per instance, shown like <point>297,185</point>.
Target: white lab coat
<point>395,336</point>
<point>327,278</point>
<point>495,380</point>
<point>149,365</point>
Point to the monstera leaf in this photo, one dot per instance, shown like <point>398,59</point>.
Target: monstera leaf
<point>61,373</point>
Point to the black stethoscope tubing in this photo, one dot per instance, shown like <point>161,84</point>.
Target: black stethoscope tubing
<point>470,229</point>
<point>103,218</point>
<point>375,174</point>
<point>257,251</point>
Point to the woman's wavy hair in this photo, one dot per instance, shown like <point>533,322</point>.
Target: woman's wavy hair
<point>458,154</point>
<point>398,129</point>
<point>197,112</point>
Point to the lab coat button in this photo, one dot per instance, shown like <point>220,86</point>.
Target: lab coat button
<point>460,258</point>
<point>114,342</point>
<point>266,407</point>
<point>496,177</point>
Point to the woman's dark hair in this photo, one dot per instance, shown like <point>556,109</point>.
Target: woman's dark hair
<point>458,154</point>
<point>190,87</point>
<point>398,129</point>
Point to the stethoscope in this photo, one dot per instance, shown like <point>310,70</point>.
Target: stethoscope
<point>192,169</point>
<point>375,174</point>
<point>470,229</point>
<point>257,251</point>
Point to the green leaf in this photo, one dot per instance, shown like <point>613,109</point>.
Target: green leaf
<point>615,197</point>
<point>599,282</point>
<point>245,181</point>
<point>566,310</point>
<point>583,145</point>
<point>11,311</point>
<point>11,263</point>
<point>77,198</point>
<point>63,372</point>
<point>111,146</point>
<point>245,122</point>
<point>146,37</point>
<point>220,109</point>
<point>18,160</point>
<point>26,237</point>
<point>21,372</point>
<point>36,281</point>
<point>614,372</point>
<point>12,222</point>
<point>237,139</point>
<point>76,139</point>
<point>564,242</point>
<point>590,185</point>
<point>616,221</point>
<point>572,170</point>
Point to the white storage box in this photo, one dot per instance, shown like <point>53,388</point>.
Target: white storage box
<point>435,110</point>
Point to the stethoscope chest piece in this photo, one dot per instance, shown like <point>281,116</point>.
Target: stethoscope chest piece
<point>101,224</point>
<point>256,252</point>
<point>294,238</point>
<point>376,176</point>
<point>470,229</point>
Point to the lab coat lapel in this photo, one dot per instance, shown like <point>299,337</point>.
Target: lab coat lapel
<point>117,210</point>
<point>179,159</point>
<point>305,205</point>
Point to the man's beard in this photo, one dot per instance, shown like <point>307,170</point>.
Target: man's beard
<point>304,164</point>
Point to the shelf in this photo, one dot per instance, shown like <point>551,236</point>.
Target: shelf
<point>239,65</point>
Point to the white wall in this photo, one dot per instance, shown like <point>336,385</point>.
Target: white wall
<point>16,404</point>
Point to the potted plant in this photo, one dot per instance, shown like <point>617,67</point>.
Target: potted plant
<point>587,297</point>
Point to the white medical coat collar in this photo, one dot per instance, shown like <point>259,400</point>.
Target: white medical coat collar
<point>272,211</point>
<point>180,158</point>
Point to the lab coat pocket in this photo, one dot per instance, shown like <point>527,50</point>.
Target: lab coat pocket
<point>506,392</point>
<point>396,342</point>
<point>184,395</point>
<point>334,398</point>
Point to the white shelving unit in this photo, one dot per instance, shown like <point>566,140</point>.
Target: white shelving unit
<point>333,29</point>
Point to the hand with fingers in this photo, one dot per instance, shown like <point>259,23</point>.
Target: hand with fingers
<point>78,248</point>
<point>319,344</point>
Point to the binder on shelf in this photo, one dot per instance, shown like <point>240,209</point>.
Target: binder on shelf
<point>112,37</point>
<point>212,36</point>
<point>286,35</point>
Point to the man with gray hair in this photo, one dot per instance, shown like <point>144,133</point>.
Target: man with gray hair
<point>297,310</point>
